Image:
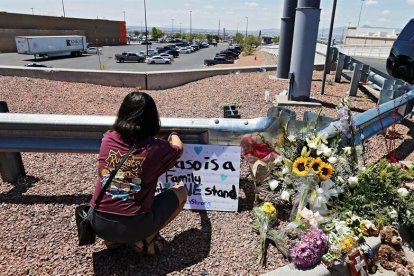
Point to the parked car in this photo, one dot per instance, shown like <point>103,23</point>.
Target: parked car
<point>145,42</point>
<point>400,62</point>
<point>158,60</point>
<point>195,47</point>
<point>174,53</point>
<point>185,50</point>
<point>151,52</point>
<point>205,45</point>
<point>94,50</point>
<point>35,64</point>
<point>125,56</point>
<point>165,55</point>
<point>218,60</point>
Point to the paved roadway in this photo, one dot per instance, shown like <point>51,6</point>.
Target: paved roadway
<point>184,61</point>
<point>379,64</point>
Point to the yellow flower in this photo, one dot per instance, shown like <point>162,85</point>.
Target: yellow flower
<point>269,209</point>
<point>347,244</point>
<point>300,166</point>
<point>315,165</point>
<point>326,171</point>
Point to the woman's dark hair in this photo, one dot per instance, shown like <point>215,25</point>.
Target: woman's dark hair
<point>137,118</point>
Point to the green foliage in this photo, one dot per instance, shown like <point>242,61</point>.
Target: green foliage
<point>156,33</point>
<point>136,33</point>
<point>376,197</point>
<point>238,37</point>
<point>276,39</point>
<point>248,43</point>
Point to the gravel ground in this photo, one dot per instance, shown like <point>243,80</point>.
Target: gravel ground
<point>38,227</point>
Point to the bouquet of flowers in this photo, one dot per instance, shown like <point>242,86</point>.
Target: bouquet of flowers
<point>265,218</point>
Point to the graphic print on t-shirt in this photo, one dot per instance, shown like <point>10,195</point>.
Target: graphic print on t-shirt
<point>127,180</point>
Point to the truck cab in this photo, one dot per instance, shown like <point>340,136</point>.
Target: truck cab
<point>400,62</point>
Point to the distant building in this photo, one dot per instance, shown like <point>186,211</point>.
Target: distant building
<point>370,36</point>
<point>97,31</point>
<point>267,39</point>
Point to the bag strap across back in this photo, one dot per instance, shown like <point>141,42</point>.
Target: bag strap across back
<point>112,175</point>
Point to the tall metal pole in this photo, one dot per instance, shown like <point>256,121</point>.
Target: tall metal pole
<point>124,15</point>
<point>286,38</point>
<point>180,29</point>
<point>32,11</point>
<point>190,26</point>
<point>306,34</point>
<point>146,27</point>
<point>218,30</point>
<point>237,30</point>
<point>327,68</point>
<point>360,11</point>
<point>172,26</point>
<point>63,6</point>
<point>247,24</point>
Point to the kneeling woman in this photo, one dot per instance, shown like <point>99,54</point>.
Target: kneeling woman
<point>129,212</point>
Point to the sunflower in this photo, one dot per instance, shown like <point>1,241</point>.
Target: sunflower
<point>300,166</point>
<point>315,165</point>
<point>326,171</point>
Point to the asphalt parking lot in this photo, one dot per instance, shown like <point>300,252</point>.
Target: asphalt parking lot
<point>91,62</point>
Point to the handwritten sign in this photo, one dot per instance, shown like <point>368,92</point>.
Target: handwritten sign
<point>211,175</point>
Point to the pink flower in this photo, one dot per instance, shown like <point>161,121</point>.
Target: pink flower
<point>307,252</point>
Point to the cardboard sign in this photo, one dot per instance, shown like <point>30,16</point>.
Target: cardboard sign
<point>211,175</point>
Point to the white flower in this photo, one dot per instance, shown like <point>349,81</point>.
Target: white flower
<point>393,214</point>
<point>332,159</point>
<point>273,184</point>
<point>347,150</point>
<point>285,195</point>
<point>278,160</point>
<point>312,218</point>
<point>321,149</point>
<point>341,228</point>
<point>368,224</point>
<point>327,152</point>
<point>291,138</point>
<point>408,213</point>
<point>285,170</point>
<point>324,137</point>
<point>340,179</point>
<point>305,152</point>
<point>353,181</point>
<point>403,192</point>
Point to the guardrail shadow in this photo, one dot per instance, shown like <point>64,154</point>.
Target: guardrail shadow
<point>186,249</point>
<point>16,195</point>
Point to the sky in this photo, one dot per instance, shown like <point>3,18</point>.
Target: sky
<point>205,14</point>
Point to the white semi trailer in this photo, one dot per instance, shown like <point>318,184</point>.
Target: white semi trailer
<point>51,46</point>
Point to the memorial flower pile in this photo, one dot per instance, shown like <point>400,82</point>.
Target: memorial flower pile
<point>335,201</point>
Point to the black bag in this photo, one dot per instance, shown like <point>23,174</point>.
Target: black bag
<point>86,235</point>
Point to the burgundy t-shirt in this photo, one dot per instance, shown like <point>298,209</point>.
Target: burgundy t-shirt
<point>132,190</point>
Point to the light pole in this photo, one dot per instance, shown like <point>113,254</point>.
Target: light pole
<point>247,24</point>
<point>237,28</point>
<point>180,29</point>
<point>146,27</point>
<point>172,26</point>
<point>63,6</point>
<point>32,11</point>
<point>190,26</point>
<point>124,15</point>
<point>360,11</point>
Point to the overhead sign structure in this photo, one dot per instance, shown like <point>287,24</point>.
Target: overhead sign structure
<point>211,174</point>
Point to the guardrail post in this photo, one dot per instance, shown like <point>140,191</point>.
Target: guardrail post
<point>356,76</point>
<point>11,163</point>
<point>339,68</point>
<point>347,62</point>
<point>364,73</point>
<point>387,92</point>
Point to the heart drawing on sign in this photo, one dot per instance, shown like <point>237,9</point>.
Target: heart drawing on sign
<point>223,177</point>
<point>198,150</point>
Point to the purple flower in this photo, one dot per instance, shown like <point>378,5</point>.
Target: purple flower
<point>307,252</point>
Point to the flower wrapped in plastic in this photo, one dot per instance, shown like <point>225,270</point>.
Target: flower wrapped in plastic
<point>259,154</point>
<point>265,218</point>
<point>308,251</point>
